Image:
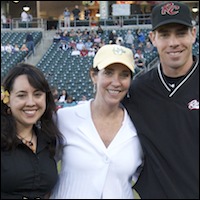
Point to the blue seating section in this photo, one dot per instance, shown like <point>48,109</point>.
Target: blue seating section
<point>67,72</point>
<point>8,60</point>
<point>19,37</point>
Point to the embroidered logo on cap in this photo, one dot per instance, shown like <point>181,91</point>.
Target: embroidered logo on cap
<point>118,50</point>
<point>170,9</point>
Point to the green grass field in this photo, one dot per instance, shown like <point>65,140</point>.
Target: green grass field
<point>136,195</point>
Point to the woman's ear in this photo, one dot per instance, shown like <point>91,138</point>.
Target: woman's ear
<point>93,76</point>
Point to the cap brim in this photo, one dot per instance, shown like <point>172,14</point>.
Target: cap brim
<point>172,21</point>
<point>111,60</point>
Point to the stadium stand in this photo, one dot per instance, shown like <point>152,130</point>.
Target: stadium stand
<point>8,60</point>
<point>65,71</point>
<point>72,72</point>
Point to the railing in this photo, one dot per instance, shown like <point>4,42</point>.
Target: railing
<point>151,65</point>
<point>121,21</point>
<point>111,21</point>
<point>16,23</point>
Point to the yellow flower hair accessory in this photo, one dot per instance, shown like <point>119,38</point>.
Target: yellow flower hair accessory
<point>4,95</point>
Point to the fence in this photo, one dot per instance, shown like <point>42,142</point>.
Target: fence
<point>16,24</point>
<point>138,19</point>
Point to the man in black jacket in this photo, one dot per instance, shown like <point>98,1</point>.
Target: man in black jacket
<point>164,105</point>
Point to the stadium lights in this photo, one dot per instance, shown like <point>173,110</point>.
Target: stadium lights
<point>97,15</point>
<point>195,9</point>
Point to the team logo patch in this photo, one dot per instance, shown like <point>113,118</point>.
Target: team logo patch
<point>193,105</point>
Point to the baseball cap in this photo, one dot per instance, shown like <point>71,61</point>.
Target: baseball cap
<point>171,12</point>
<point>113,53</point>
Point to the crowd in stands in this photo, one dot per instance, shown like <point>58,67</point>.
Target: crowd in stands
<point>27,46</point>
<point>82,43</point>
<point>87,42</point>
<point>75,13</point>
<point>13,48</point>
<point>64,99</point>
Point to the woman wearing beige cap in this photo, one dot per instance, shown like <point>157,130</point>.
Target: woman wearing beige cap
<point>102,156</point>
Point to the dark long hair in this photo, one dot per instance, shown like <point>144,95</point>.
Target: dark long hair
<point>47,120</point>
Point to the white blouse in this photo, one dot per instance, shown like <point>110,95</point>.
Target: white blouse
<point>89,169</point>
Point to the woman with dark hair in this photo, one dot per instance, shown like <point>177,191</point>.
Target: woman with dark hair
<point>30,140</point>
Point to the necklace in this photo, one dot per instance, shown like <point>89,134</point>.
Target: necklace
<point>28,143</point>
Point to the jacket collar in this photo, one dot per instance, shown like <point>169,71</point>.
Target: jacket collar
<point>87,127</point>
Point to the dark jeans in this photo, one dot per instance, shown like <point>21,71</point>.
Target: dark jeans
<point>30,46</point>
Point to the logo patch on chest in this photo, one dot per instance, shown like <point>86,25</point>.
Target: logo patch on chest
<point>193,105</point>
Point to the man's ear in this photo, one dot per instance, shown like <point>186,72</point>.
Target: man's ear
<point>152,35</point>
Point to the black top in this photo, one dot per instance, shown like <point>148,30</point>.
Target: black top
<point>28,174</point>
<point>76,13</point>
<point>29,37</point>
<point>167,121</point>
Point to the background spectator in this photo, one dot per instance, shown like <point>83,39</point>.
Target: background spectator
<point>63,96</point>
<point>80,45</point>
<point>9,48</point>
<point>63,45</point>
<point>30,42</point>
<point>129,39</point>
<point>3,20</point>
<point>56,38</point>
<point>84,51</point>
<point>66,14</point>
<point>30,17</point>
<point>3,48</point>
<point>9,22</point>
<point>120,41</point>
<point>24,47</point>
<point>91,52</point>
<point>54,92</point>
<point>75,52</point>
<point>148,48</point>
<point>76,12</point>
<point>99,30</point>
<point>112,37</point>
<point>69,102</point>
<point>24,16</point>
<point>86,13</point>
<point>16,48</point>
<point>140,36</point>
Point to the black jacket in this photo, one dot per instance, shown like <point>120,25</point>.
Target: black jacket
<point>167,121</point>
